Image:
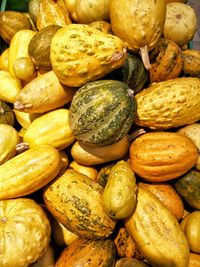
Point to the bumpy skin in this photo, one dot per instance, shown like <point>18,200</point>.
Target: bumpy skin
<point>102,112</point>
<point>169,104</point>
<point>24,232</point>
<point>139,23</point>
<point>80,53</point>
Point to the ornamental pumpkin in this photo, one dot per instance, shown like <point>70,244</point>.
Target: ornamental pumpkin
<point>162,156</point>
<point>80,54</point>
<point>102,112</point>
<point>25,232</point>
<point>138,23</point>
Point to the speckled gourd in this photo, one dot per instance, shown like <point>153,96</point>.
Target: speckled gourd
<point>80,53</point>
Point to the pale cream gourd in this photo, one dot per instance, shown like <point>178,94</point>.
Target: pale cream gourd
<point>180,23</point>
<point>138,23</point>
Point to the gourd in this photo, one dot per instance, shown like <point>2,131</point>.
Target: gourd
<point>86,12</point>
<point>162,156</point>
<point>194,260</point>
<point>185,19</point>
<point>191,227</point>
<point>24,118</point>
<point>6,114</point>
<point>83,252</point>
<point>138,23</point>
<point>19,47</point>
<point>42,94</point>
<point>188,187</point>
<point>191,63</point>
<point>39,47</point>
<point>101,25</point>
<point>50,13</point>
<point>9,138</point>
<point>9,87</point>
<point>126,247</point>
<point>28,171</point>
<point>102,112</point>
<point>61,235</point>
<point>74,200</point>
<point>12,22</point>
<point>132,72</point>
<point>119,195</point>
<point>4,60</point>
<point>193,132</point>
<point>168,195</point>
<point>148,226</point>
<point>91,155</point>
<point>24,69</point>
<point>166,61</point>
<point>33,9</point>
<point>48,259</point>
<point>89,55</point>
<point>33,231</point>
<point>129,262</point>
<point>159,104</point>
<point>52,128</point>
<point>91,172</point>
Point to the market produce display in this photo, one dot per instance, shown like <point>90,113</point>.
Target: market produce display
<point>99,134</point>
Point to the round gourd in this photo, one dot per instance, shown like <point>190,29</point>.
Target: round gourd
<point>166,61</point>
<point>188,188</point>
<point>6,114</point>
<point>191,62</point>
<point>83,11</point>
<point>39,47</point>
<point>129,262</point>
<point>102,112</point>
<point>138,23</point>
<point>162,156</point>
<point>180,23</point>
<point>24,232</point>
<point>191,227</point>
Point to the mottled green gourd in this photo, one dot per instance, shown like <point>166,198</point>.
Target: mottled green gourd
<point>102,112</point>
<point>188,188</point>
<point>132,72</point>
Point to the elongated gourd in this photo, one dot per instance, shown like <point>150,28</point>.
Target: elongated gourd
<point>52,128</point>
<point>29,171</point>
<point>19,47</point>
<point>157,233</point>
<point>42,94</point>
<point>9,87</point>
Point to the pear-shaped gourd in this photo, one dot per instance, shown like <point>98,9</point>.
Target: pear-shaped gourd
<point>138,23</point>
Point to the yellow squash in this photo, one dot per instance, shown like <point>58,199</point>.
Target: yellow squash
<point>157,233</point>
<point>52,128</point>
<point>42,94</point>
<point>29,171</point>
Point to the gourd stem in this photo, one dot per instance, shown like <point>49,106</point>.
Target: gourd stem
<point>135,134</point>
<point>18,105</point>
<point>145,57</point>
<point>21,147</point>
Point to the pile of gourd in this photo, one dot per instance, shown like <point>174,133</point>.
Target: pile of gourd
<point>100,135</point>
